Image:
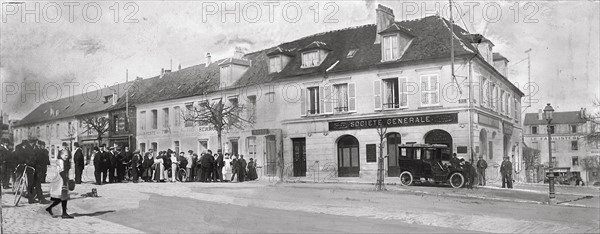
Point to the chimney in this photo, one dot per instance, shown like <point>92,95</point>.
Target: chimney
<point>540,114</point>
<point>139,78</point>
<point>162,72</point>
<point>238,54</point>
<point>385,17</point>
<point>208,60</point>
<point>179,68</point>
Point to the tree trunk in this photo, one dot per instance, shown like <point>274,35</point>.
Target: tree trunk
<point>220,146</point>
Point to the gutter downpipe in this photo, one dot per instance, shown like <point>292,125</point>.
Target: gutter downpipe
<point>469,110</point>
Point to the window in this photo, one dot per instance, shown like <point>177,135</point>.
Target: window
<point>507,102</point>
<point>251,146</point>
<point>142,120</point>
<point>251,106</point>
<point>143,147</point>
<point>351,53</point>
<point>176,116</point>
<point>391,95</point>
<point>429,90</point>
<point>553,146</point>
<point>154,119</point>
<point>341,98</point>
<point>225,74</point>
<point>551,129</point>
<point>516,109</point>
<point>502,101</point>
<point>484,92</point>
<point>233,102</point>
<point>313,100</point>
<point>534,130</point>
<point>275,64</point>
<point>575,161</point>
<point>154,146</point>
<point>310,59</point>
<point>202,145</point>
<point>189,107</point>
<point>573,128</point>
<point>176,147</point>
<point>165,117</point>
<point>390,48</point>
<point>372,153</point>
<point>494,97</point>
<point>574,146</point>
<point>554,162</point>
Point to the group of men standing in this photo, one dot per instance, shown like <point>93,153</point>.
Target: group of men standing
<point>479,171</point>
<point>30,157</point>
<point>110,163</point>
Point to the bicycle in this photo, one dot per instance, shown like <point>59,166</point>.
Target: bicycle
<point>21,185</point>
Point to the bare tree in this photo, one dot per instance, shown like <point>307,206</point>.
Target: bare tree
<point>380,185</point>
<point>590,163</point>
<point>97,124</point>
<point>219,117</point>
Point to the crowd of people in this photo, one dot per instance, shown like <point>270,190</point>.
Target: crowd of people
<point>112,165</point>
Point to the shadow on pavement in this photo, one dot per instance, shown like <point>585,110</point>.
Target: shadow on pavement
<point>97,213</point>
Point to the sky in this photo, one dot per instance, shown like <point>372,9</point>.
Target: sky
<point>94,43</point>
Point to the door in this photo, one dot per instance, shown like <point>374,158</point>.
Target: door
<point>234,147</point>
<point>393,140</point>
<point>270,155</point>
<point>348,157</point>
<point>299,146</point>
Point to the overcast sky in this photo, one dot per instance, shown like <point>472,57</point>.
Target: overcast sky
<point>563,36</point>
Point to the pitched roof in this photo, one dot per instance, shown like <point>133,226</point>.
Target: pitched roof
<point>567,117</point>
<point>397,28</point>
<point>498,56</point>
<point>82,104</point>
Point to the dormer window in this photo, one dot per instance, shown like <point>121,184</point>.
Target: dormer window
<point>390,47</point>
<point>275,64</point>
<point>310,59</point>
<point>107,98</point>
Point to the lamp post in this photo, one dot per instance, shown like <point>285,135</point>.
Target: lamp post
<point>548,111</point>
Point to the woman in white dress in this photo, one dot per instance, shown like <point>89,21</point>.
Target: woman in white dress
<point>59,192</point>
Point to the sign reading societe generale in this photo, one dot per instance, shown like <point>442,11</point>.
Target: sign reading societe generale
<point>401,121</point>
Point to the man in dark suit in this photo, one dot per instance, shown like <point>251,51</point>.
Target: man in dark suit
<point>112,158</point>
<point>220,163</point>
<point>98,169</point>
<point>207,163</point>
<point>120,159</point>
<point>241,168</point>
<point>79,160</point>
<point>105,163</point>
<point>45,162</point>
<point>506,171</point>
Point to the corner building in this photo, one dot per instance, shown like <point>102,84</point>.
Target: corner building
<point>318,100</point>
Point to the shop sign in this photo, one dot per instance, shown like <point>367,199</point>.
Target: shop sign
<point>257,132</point>
<point>488,121</point>
<point>555,138</point>
<point>403,121</point>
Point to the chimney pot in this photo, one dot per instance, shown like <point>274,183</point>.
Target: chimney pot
<point>238,53</point>
<point>208,60</point>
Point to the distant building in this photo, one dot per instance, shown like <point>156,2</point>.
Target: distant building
<point>568,144</point>
<point>6,135</point>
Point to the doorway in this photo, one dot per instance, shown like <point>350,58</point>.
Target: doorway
<point>393,141</point>
<point>348,157</point>
<point>299,146</point>
<point>271,155</point>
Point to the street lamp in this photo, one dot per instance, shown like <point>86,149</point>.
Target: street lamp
<point>548,111</point>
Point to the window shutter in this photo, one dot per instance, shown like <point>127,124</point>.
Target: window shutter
<point>377,94</point>
<point>302,102</point>
<point>321,100</point>
<point>403,92</point>
<point>351,97</point>
<point>328,99</point>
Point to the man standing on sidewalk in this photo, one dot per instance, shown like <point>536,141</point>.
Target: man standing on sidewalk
<point>506,171</point>
<point>481,166</point>
<point>79,162</point>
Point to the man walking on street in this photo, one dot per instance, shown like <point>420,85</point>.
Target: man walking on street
<point>79,160</point>
<point>506,171</point>
<point>481,166</point>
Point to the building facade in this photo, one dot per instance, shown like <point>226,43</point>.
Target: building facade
<point>319,99</point>
<point>568,142</point>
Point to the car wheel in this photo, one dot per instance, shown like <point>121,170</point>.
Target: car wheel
<point>457,180</point>
<point>406,178</point>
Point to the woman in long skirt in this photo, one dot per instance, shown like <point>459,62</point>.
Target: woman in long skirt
<point>158,169</point>
<point>252,170</point>
<point>59,192</point>
<point>135,162</point>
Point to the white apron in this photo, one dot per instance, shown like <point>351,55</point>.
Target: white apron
<point>57,183</point>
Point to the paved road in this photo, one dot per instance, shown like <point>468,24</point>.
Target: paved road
<point>301,207</point>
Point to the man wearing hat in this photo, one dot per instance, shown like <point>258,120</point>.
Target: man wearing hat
<point>481,166</point>
<point>506,171</point>
<point>112,157</point>
<point>98,167</point>
<point>79,161</point>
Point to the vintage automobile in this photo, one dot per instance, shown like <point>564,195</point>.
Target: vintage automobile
<point>429,162</point>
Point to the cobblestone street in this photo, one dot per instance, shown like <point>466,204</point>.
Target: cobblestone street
<point>252,207</point>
